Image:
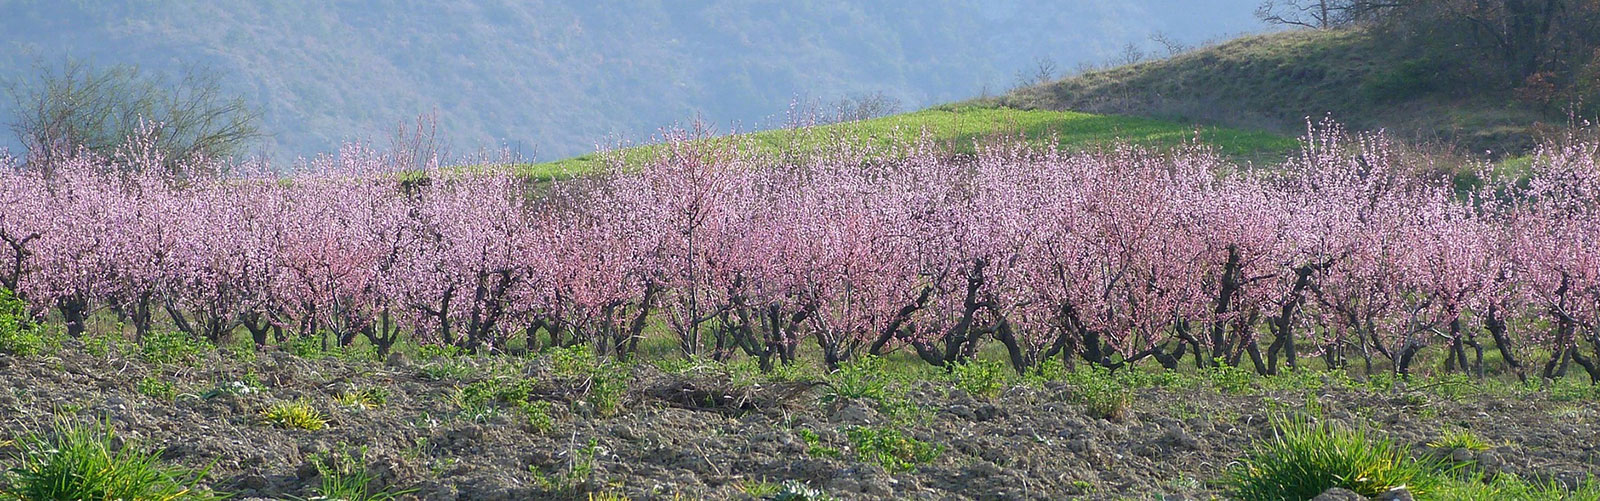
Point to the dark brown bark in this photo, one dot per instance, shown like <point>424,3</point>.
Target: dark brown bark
<point>74,311</point>
<point>1496,325</point>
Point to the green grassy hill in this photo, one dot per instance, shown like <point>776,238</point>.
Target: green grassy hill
<point>1275,82</point>
<point>1250,95</point>
<point>959,127</point>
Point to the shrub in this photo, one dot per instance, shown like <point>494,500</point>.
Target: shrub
<point>449,368</point>
<point>76,461</point>
<point>1102,394</point>
<point>538,414</point>
<point>860,378</point>
<point>1230,379</point>
<point>1538,88</point>
<point>19,334</point>
<point>1407,80</point>
<point>574,362</point>
<point>364,397</point>
<point>172,347</point>
<point>1303,459</point>
<point>157,388</point>
<point>980,378</point>
<point>299,415</point>
<point>345,477</point>
<point>891,449</point>
<point>814,445</point>
<point>575,477</point>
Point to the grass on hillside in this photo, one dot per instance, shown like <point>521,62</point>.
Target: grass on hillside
<point>1277,81</point>
<point>959,127</point>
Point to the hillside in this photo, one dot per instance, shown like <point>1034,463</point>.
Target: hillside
<point>959,127</point>
<point>553,78</point>
<point>1276,81</point>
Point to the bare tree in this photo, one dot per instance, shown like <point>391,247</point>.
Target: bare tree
<point>1172,45</point>
<point>416,147</point>
<point>865,106</point>
<point>1044,70</point>
<point>1324,14</point>
<point>1516,39</point>
<point>77,105</point>
<point>1131,54</point>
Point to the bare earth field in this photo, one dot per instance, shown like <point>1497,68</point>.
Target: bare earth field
<point>710,433</point>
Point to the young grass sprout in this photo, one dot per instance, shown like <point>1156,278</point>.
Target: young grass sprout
<point>298,415</point>
<point>76,461</point>
<point>345,477</point>
<point>1305,458</point>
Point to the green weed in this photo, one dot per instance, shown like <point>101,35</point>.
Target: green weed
<point>574,477</point>
<point>172,347</point>
<point>1303,459</point>
<point>814,445</point>
<point>358,397</point>
<point>19,334</point>
<point>980,378</point>
<point>891,449</point>
<point>1458,438</point>
<point>448,368</point>
<point>299,415</point>
<point>538,415</point>
<point>76,461</point>
<point>345,477</point>
<point>794,490</point>
<point>759,489</point>
<point>1507,487</point>
<point>863,377</point>
<point>606,381</point>
<point>1103,395</point>
<point>1229,379</point>
<point>157,388</point>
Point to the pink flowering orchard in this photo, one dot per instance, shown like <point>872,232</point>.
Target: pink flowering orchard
<point>1352,251</point>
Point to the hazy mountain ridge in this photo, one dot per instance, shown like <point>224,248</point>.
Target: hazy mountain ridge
<point>560,77</point>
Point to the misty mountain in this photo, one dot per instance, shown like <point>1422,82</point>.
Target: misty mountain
<point>556,78</point>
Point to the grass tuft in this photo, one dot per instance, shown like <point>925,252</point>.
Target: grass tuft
<point>1303,459</point>
<point>980,378</point>
<point>370,397</point>
<point>1461,439</point>
<point>1507,487</point>
<point>345,477</point>
<point>78,461</point>
<point>298,415</point>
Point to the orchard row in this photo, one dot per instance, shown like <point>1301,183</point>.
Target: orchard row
<point>1353,251</point>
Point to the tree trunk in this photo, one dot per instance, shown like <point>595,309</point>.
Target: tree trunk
<point>1497,330</point>
<point>74,311</point>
